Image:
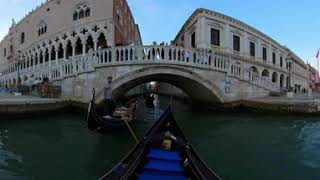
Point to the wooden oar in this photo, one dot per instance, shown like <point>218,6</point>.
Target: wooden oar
<point>131,131</point>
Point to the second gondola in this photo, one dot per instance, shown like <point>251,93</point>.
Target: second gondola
<point>121,116</point>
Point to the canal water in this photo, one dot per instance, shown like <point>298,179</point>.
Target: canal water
<point>235,145</point>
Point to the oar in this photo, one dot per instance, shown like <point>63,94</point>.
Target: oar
<point>130,129</point>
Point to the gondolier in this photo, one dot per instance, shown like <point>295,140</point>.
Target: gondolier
<point>108,99</point>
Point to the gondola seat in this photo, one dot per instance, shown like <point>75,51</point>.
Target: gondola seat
<point>164,155</point>
<point>160,176</point>
<point>163,165</point>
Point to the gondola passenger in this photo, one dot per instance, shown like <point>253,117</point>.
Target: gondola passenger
<point>108,99</point>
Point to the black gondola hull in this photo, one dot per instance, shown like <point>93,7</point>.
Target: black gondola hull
<point>134,165</point>
<point>97,123</point>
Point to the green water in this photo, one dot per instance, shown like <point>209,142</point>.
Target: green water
<point>235,145</point>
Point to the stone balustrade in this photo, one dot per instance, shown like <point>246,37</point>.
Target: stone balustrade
<point>146,55</point>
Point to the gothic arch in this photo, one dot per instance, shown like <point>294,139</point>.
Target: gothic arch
<point>69,49</point>
<point>102,41</point>
<point>79,47</point>
<point>89,43</point>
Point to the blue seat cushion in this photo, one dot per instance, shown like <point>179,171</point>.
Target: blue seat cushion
<point>165,155</point>
<point>160,176</point>
<point>162,165</point>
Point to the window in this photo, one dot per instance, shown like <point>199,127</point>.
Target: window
<point>22,38</point>
<point>82,11</point>
<point>81,14</point>
<point>264,53</point>
<point>274,58</point>
<point>11,49</point>
<point>281,61</point>
<point>5,52</point>
<point>236,43</point>
<point>42,28</point>
<point>252,49</point>
<point>215,37</point>
<point>75,16</point>
<point>87,12</point>
<point>193,40</point>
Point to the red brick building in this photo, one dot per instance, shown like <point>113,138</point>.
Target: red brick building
<point>126,31</point>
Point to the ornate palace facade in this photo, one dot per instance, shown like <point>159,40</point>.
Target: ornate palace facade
<point>62,29</point>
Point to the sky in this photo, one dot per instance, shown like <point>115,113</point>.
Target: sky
<point>292,23</point>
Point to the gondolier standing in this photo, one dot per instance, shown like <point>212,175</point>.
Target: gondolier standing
<point>108,99</point>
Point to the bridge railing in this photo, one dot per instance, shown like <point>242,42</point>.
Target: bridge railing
<point>199,58</point>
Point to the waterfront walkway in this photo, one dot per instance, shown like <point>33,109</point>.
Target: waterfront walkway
<point>17,100</point>
<point>308,105</point>
<point>16,105</point>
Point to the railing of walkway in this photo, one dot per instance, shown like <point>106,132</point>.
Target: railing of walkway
<point>199,58</point>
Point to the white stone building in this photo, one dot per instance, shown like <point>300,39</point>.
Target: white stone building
<point>260,56</point>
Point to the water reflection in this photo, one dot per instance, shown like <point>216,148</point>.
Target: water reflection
<point>310,145</point>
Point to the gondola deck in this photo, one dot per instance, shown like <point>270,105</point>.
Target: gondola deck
<point>163,153</point>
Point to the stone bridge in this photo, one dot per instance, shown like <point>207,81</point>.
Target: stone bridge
<point>206,75</point>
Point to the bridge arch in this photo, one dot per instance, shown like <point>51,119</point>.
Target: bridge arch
<point>197,87</point>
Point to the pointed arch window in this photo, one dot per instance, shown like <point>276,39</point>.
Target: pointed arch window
<point>82,11</point>
<point>75,16</point>
<point>87,12</point>
<point>42,28</point>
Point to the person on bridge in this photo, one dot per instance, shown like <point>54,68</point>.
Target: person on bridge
<point>108,99</point>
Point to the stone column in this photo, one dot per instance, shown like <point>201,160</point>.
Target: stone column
<point>38,59</point>
<point>49,51</point>
<point>57,53</point>
<point>269,54</point>
<point>73,49</point>
<point>258,50</point>
<point>245,45</point>
<point>95,42</point>
<point>84,43</point>
<point>227,38</point>
<point>201,33</point>
<point>64,52</point>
